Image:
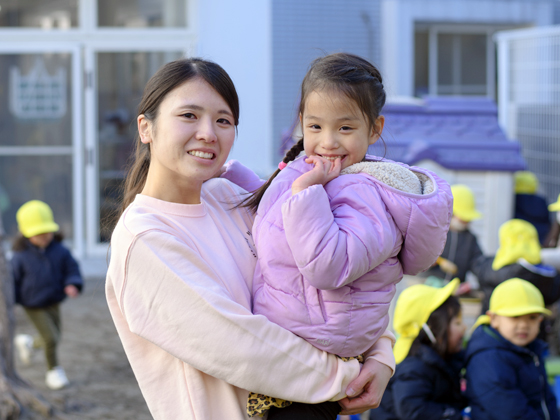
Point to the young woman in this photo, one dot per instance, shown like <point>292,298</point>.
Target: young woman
<point>180,277</point>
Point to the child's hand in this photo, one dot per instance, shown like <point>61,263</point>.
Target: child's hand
<point>71,291</point>
<point>323,171</point>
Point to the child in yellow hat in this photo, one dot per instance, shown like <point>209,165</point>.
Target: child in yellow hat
<point>505,372</point>
<point>518,256</point>
<point>44,274</point>
<point>461,251</point>
<point>428,352</point>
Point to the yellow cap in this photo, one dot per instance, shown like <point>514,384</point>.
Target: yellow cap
<point>35,218</point>
<point>555,206</point>
<point>514,297</point>
<point>518,239</point>
<point>414,307</point>
<point>463,203</point>
<point>525,182</point>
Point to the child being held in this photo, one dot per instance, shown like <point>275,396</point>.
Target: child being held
<point>506,377</point>
<point>428,351</point>
<point>331,248</point>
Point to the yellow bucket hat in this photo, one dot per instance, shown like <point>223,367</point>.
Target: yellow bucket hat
<point>414,307</point>
<point>555,206</point>
<point>514,297</point>
<point>518,239</point>
<point>35,218</point>
<point>463,203</point>
<point>525,182</point>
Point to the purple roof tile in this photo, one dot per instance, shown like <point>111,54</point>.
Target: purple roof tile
<point>456,132</point>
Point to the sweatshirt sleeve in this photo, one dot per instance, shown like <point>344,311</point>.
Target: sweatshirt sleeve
<point>175,300</point>
<point>382,350</point>
<point>335,247</point>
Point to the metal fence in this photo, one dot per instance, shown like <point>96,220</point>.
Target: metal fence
<point>529,99</point>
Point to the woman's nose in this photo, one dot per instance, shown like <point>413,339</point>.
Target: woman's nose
<point>206,131</point>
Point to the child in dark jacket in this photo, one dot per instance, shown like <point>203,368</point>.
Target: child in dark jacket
<point>506,378</point>
<point>44,274</point>
<point>428,352</point>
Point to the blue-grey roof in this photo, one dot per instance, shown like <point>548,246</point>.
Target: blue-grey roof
<point>459,133</point>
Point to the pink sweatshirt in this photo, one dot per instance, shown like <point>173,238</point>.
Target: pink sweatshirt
<point>179,291</point>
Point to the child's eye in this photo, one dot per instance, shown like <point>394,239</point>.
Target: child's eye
<point>315,126</point>
<point>345,128</point>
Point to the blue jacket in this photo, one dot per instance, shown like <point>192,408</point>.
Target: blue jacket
<point>424,387</point>
<point>505,381</point>
<point>41,275</point>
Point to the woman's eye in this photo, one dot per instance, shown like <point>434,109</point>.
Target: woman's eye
<point>224,121</point>
<point>189,115</point>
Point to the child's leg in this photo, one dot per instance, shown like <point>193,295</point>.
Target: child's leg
<point>47,322</point>
<point>298,411</point>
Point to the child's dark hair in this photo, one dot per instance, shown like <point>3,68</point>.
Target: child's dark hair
<point>21,243</point>
<point>438,322</point>
<point>345,73</point>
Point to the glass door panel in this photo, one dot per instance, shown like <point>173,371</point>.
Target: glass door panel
<point>44,14</point>
<point>121,77</point>
<point>142,13</point>
<point>37,131</point>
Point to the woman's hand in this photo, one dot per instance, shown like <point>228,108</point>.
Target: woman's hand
<point>366,390</point>
<point>323,171</point>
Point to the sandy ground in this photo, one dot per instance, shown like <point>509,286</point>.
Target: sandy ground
<point>102,383</point>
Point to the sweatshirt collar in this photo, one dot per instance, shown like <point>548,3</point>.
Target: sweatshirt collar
<point>177,209</point>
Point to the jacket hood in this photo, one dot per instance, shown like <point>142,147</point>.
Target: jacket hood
<point>421,205</point>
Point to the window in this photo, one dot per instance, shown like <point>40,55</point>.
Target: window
<point>454,60</point>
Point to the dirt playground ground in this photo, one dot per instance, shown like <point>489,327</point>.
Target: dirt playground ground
<point>102,386</point>
<point>102,383</point>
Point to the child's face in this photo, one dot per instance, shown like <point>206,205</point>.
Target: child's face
<point>519,330</point>
<point>334,127</point>
<point>455,333</point>
<point>43,240</point>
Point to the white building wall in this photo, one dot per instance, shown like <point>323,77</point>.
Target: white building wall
<point>494,197</point>
<point>237,35</point>
<point>398,17</point>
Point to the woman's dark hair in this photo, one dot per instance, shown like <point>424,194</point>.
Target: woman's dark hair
<point>438,322</point>
<point>167,78</point>
<point>345,73</point>
<point>21,243</point>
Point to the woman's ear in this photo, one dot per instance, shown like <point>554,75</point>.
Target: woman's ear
<point>144,129</point>
<point>377,129</point>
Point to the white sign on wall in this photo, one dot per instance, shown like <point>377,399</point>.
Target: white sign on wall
<point>38,95</point>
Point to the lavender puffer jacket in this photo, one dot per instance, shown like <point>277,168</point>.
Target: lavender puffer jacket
<point>329,257</point>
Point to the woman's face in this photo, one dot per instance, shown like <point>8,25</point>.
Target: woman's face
<point>190,140</point>
<point>455,333</point>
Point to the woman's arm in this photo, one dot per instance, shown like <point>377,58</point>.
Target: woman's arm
<point>334,247</point>
<point>174,300</point>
